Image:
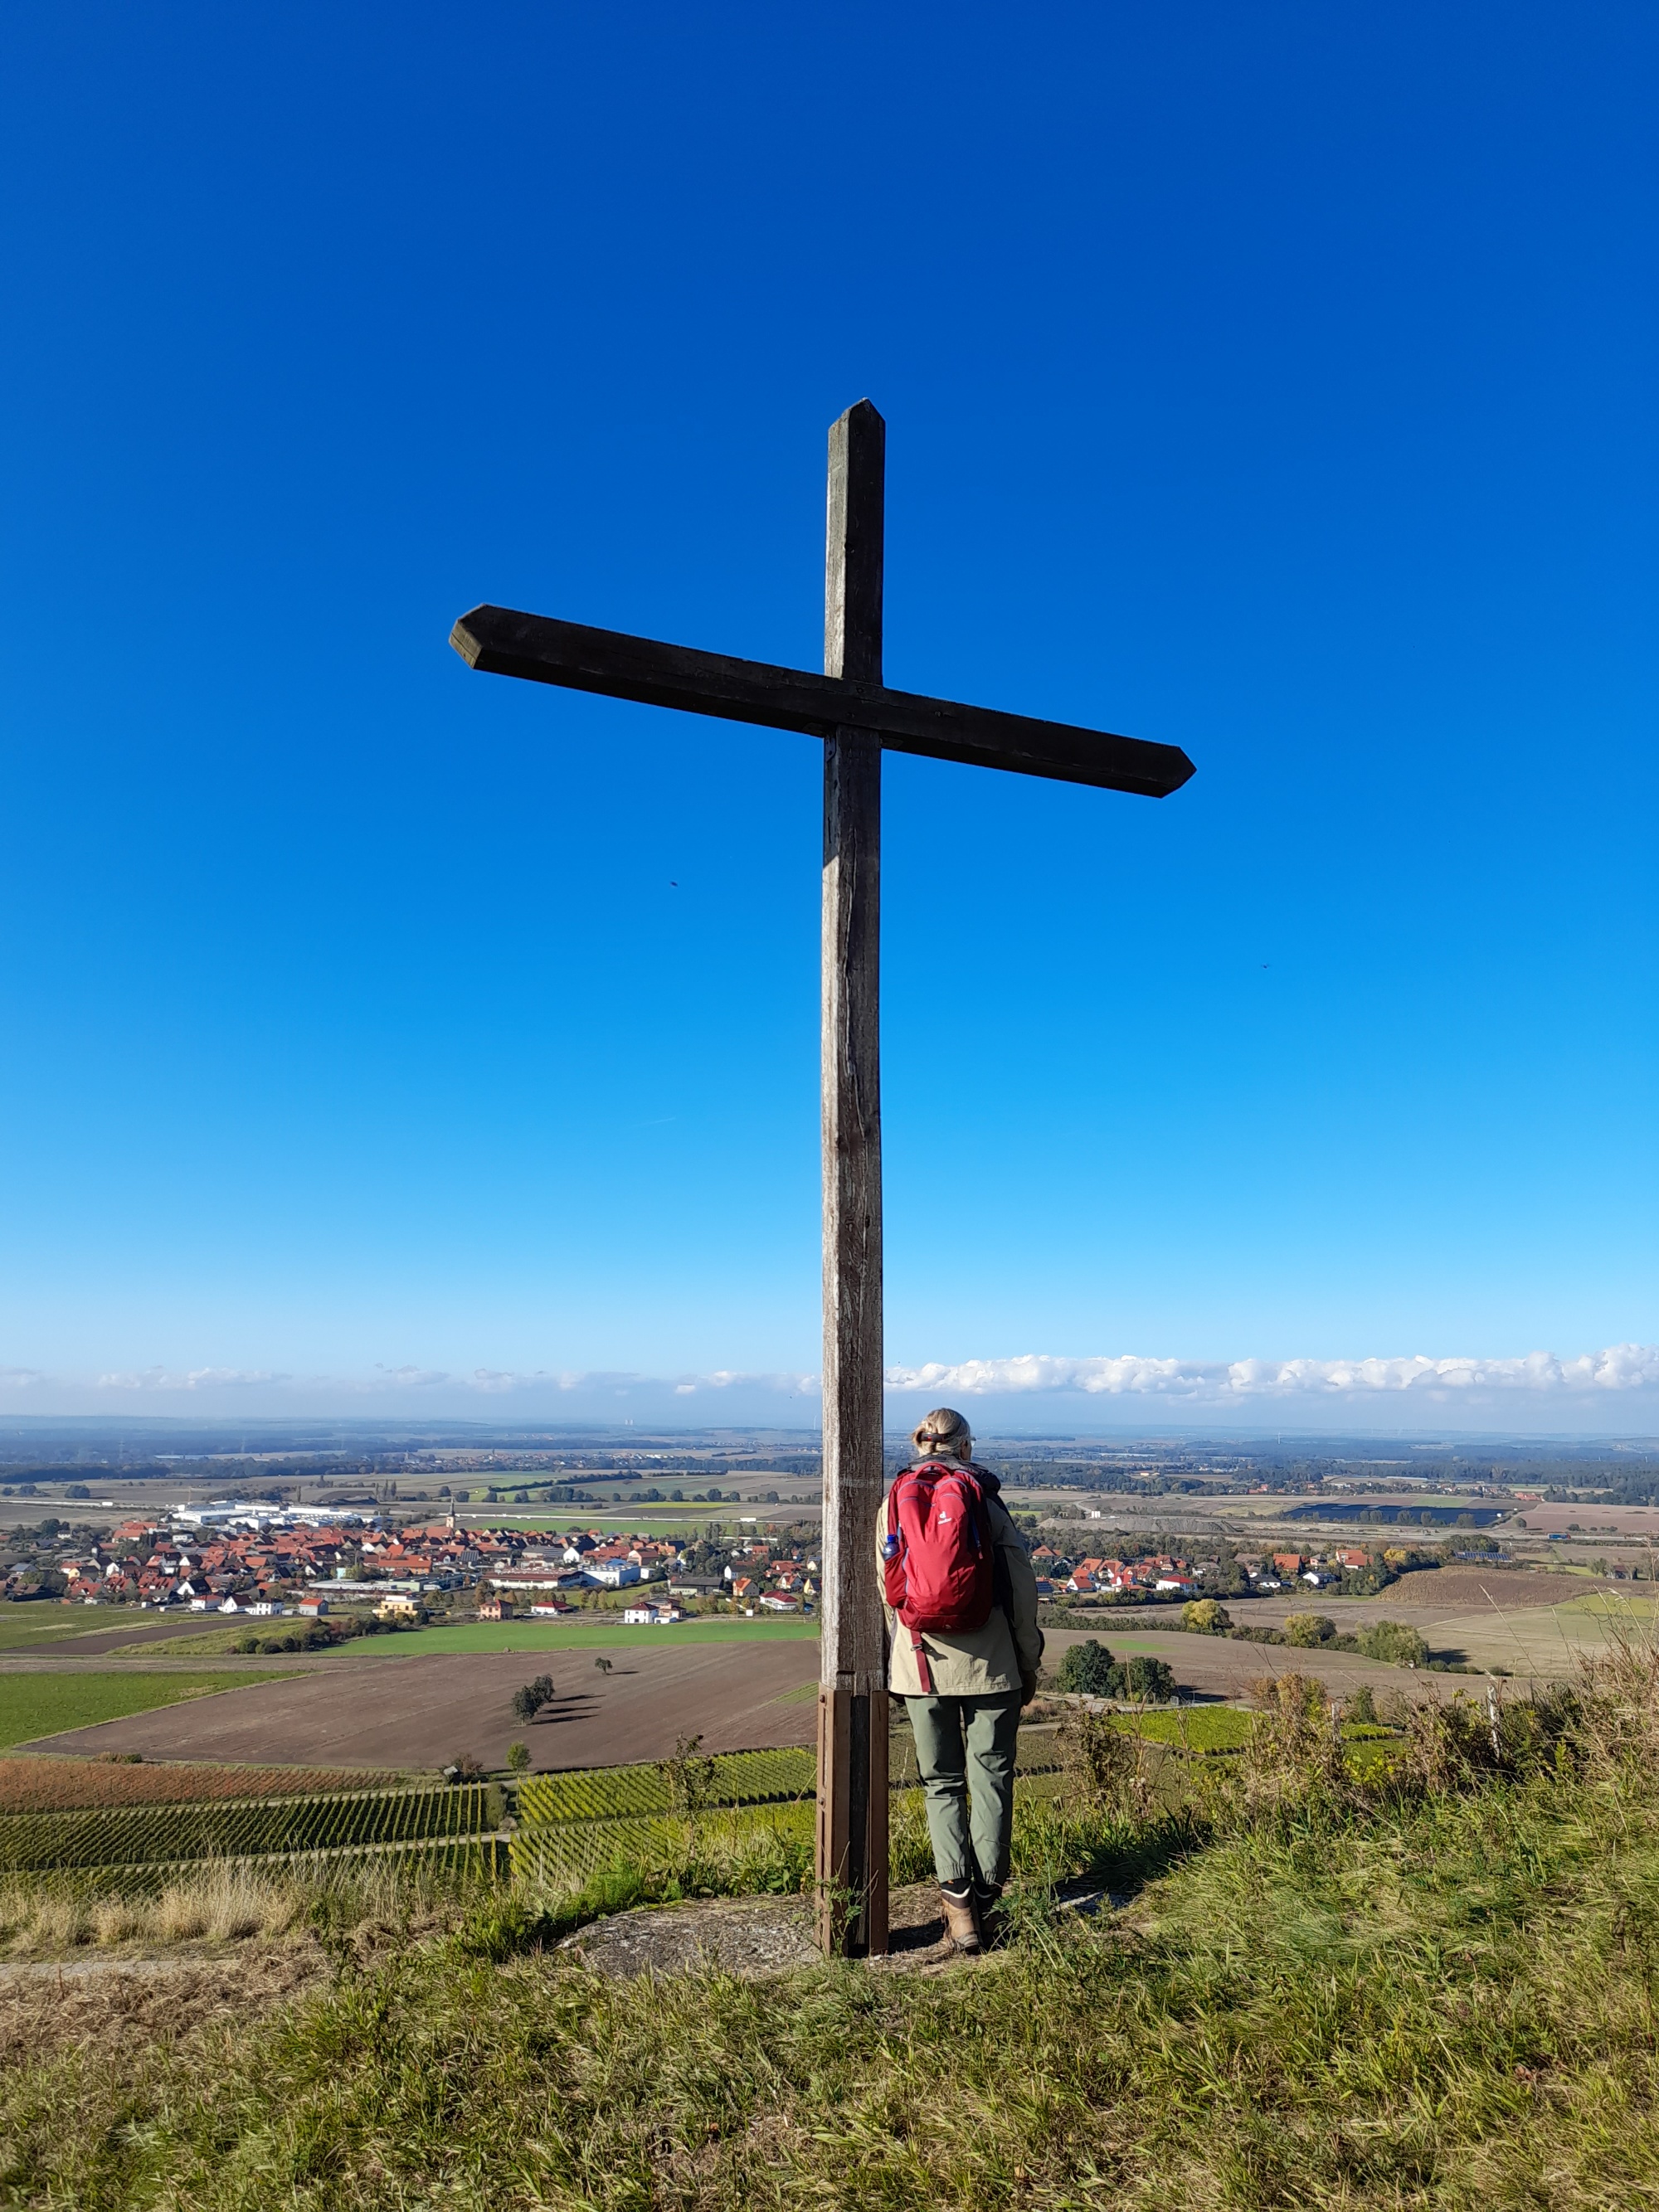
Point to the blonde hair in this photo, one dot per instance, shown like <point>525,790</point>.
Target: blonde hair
<point>946,1431</point>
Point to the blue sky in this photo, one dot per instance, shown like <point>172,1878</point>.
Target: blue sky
<point>1273,382</point>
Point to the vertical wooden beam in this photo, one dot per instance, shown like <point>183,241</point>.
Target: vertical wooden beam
<point>852,1826</point>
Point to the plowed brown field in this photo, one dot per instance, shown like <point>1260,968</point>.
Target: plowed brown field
<point>421,1713</point>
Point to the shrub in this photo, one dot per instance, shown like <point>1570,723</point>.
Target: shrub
<point>1108,1769</point>
<point>1087,1670</point>
<point>1205,1616</point>
<point>1306,1630</point>
<point>1294,1756</point>
<point>1393,1641</point>
<point>1141,1677</point>
<point>517,1757</point>
<point>690,1775</point>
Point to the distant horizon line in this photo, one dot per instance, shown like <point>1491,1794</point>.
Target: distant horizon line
<point>531,1434</point>
<point>1275,1391</point>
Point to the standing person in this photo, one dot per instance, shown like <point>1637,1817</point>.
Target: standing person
<point>964,1649</point>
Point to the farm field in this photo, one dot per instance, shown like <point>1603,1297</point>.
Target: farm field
<point>687,1520</point>
<point>1592,1521</point>
<point>590,1635</point>
<point>1527,1623</point>
<point>1219,1667</point>
<point>36,1704</point>
<point>124,1628</point>
<point>32,1785</point>
<point>424,1714</point>
<point>133,1836</point>
<point>36,1627</point>
<point>469,1635</point>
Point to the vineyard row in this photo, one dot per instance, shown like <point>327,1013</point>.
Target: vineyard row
<point>132,1835</point>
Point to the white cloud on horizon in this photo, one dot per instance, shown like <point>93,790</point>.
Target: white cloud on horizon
<point>1616,1371</point>
<point>1619,1367</point>
<point>153,1379</point>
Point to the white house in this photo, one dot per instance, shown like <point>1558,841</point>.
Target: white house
<point>612,1574</point>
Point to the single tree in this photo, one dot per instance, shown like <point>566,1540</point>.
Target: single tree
<point>1205,1616</point>
<point>1402,1646</point>
<point>1142,1677</point>
<point>1305,1629</point>
<point>517,1757</point>
<point>528,1701</point>
<point>1087,1670</point>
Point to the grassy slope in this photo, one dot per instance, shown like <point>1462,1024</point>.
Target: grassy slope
<point>44,1705</point>
<point>1450,2008</point>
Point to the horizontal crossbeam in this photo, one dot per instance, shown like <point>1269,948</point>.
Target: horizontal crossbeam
<point>608,661</point>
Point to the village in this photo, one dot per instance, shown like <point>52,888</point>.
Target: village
<point>247,1560</point>
<point>1162,1575</point>
<point>248,1557</point>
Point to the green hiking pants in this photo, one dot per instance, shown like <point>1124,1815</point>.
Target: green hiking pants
<point>965,1751</point>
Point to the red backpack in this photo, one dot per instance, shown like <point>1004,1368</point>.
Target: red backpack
<point>940,1555</point>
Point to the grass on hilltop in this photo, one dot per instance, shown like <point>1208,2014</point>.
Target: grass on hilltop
<point>1430,1987</point>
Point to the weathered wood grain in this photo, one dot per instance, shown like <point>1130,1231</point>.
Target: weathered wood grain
<point>536,647</point>
<point>853,1652</point>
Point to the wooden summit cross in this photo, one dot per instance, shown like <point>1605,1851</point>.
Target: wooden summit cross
<point>849,707</point>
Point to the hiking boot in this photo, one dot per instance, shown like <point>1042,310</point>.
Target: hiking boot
<point>986,1898</point>
<point>961,1921</point>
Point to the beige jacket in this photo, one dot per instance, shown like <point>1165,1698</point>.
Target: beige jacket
<point>989,1661</point>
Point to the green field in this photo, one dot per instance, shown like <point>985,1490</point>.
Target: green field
<point>591,1636</point>
<point>44,1705</point>
<point>1612,1606</point>
<point>41,1625</point>
<point>1202,1728</point>
<point>688,1520</point>
<point>213,1643</point>
<point>591,1633</point>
